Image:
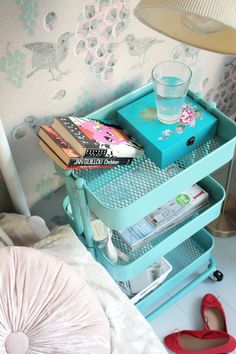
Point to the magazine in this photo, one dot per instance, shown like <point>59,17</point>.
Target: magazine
<point>164,217</point>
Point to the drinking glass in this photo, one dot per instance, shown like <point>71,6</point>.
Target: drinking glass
<point>171,82</point>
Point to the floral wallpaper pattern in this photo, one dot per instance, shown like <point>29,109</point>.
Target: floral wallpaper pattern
<point>189,55</point>
<point>100,26</point>
<point>85,103</point>
<point>13,64</point>
<point>75,56</point>
<point>28,13</point>
<point>45,185</point>
<point>225,93</point>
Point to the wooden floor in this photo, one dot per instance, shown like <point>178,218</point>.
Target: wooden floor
<point>185,313</point>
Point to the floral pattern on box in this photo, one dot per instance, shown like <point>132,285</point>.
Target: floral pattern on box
<point>189,115</point>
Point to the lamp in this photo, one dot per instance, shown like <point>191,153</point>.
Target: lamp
<point>206,24</point>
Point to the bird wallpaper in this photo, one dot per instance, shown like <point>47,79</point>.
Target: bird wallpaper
<point>74,56</point>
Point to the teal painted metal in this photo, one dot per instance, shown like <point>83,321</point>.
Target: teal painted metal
<point>85,215</point>
<point>144,256</point>
<point>154,186</point>
<point>186,259</point>
<point>145,187</point>
<point>124,195</point>
<point>69,183</point>
<point>208,272</point>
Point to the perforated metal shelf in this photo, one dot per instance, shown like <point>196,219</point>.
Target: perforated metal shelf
<point>184,255</point>
<point>192,257</point>
<point>159,245</point>
<point>151,244</point>
<point>185,252</point>
<point>121,186</point>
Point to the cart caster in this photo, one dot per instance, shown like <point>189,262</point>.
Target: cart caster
<point>217,275</point>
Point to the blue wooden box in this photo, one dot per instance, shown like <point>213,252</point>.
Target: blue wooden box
<point>166,143</point>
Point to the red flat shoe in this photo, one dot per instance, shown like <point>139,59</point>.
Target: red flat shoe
<point>201,342</point>
<point>213,313</point>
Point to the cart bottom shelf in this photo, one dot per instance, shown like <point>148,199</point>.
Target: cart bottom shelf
<point>188,259</point>
<point>209,270</point>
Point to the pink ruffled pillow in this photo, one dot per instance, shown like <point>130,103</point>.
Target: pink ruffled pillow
<point>45,307</point>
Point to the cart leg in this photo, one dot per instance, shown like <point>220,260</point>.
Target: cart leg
<point>70,189</point>
<point>85,214</point>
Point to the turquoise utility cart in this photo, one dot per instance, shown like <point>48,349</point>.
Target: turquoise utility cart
<point>123,195</point>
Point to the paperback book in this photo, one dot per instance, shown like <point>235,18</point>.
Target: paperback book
<point>165,217</point>
<point>91,138</point>
<point>60,163</point>
<point>69,156</point>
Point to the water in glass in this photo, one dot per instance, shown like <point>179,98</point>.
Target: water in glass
<point>170,96</point>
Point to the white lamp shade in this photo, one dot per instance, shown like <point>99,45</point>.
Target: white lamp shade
<point>170,17</point>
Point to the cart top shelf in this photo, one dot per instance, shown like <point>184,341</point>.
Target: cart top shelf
<point>121,186</point>
<point>123,195</point>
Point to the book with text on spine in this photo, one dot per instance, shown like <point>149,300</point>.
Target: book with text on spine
<point>69,156</point>
<point>91,138</point>
<point>60,163</point>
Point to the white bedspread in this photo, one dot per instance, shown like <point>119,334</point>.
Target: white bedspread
<point>130,332</point>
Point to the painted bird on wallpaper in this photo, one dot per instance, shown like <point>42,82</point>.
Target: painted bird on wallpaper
<point>185,52</point>
<point>48,56</point>
<point>139,46</point>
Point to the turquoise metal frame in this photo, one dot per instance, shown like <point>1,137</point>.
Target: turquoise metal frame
<point>164,183</point>
<point>198,249</point>
<point>144,256</point>
<point>147,188</point>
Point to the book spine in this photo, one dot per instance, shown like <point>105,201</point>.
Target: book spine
<point>116,161</point>
<point>95,152</point>
<point>50,133</point>
<point>89,151</point>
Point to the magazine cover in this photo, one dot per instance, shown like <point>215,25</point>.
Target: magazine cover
<point>165,217</point>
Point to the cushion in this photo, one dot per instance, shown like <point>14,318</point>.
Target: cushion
<point>45,307</point>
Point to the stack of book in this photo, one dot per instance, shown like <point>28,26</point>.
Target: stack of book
<point>81,143</point>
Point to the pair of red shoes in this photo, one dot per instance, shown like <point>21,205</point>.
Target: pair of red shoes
<point>214,339</point>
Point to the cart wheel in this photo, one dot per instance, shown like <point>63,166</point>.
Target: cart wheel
<point>217,275</point>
